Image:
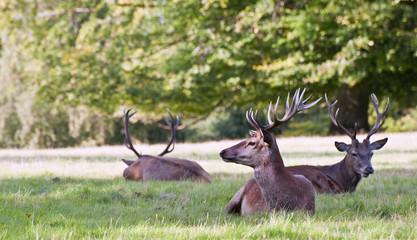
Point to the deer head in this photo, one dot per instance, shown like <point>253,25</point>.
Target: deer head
<point>252,151</point>
<point>171,143</point>
<point>261,145</point>
<point>359,154</point>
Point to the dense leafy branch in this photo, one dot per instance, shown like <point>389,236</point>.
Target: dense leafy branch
<point>202,57</point>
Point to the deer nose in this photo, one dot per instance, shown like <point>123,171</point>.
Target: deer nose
<point>370,170</point>
<point>222,153</point>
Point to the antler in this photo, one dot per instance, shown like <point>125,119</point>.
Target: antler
<point>297,105</point>
<point>173,132</point>
<point>336,122</point>
<point>128,142</point>
<point>379,116</point>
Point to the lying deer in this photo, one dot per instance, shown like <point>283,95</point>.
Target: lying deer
<point>341,177</point>
<point>159,167</point>
<point>282,190</point>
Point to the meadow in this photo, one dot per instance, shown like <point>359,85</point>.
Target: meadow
<point>79,193</point>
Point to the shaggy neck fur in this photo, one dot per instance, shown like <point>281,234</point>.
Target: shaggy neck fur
<point>343,176</point>
<point>273,178</point>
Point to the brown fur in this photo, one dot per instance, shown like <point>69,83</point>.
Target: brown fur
<point>278,188</point>
<point>165,169</point>
<point>338,178</point>
<point>333,179</point>
<point>281,189</point>
<point>158,167</point>
<point>242,202</point>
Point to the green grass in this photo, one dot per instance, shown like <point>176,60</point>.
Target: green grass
<point>62,204</point>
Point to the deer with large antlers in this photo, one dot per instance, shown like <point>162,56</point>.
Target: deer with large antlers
<point>341,177</point>
<point>281,189</point>
<point>148,167</point>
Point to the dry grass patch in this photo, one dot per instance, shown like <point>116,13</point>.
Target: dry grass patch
<point>105,162</point>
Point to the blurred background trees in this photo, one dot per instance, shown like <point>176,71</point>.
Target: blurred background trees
<point>67,68</point>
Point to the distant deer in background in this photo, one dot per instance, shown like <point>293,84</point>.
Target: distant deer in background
<point>148,167</point>
<point>343,176</point>
<point>281,189</point>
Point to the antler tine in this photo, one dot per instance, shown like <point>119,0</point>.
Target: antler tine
<point>287,107</point>
<point>289,110</point>
<point>169,123</point>
<point>171,144</point>
<point>345,130</point>
<point>379,116</point>
<point>294,100</point>
<point>308,98</point>
<point>128,142</point>
<point>274,112</point>
<point>269,112</point>
<point>336,122</point>
<point>302,95</point>
<point>293,109</point>
<point>297,105</point>
<point>301,105</point>
<point>254,118</point>
<point>330,108</point>
<point>249,118</point>
<point>257,124</point>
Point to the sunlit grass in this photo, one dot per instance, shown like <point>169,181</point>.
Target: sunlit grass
<point>80,194</point>
<point>105,162</point>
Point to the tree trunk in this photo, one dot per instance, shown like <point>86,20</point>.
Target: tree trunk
<point>353,103</point>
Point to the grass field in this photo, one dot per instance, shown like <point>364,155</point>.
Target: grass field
<point>80,194</point>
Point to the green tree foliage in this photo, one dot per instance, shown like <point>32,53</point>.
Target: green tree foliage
<point>18,73</point>
<point>202,57</point>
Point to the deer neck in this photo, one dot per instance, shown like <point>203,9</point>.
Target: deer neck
<point>272,177</point>
<point>344,176</point>
<point>273,163</point>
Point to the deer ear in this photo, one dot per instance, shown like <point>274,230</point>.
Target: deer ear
<point>342,147</point>
<point>128,162</point>
<point>268,138</point>
<point>378,144</point>
<point>252,133</point>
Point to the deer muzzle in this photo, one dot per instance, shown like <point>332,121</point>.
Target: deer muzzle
<point>223,155</point>
<point>367,171</point>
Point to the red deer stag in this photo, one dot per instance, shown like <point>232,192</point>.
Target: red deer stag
<point>148,167</point>
<point>281,189</point>
<point>338,178</point>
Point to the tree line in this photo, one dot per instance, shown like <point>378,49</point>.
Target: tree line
<point>69,67</point>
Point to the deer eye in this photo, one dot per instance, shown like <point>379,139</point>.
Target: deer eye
<point>355,155</point>
<point>251,143</point>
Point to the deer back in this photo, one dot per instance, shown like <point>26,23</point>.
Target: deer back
<point>165,169</point>
<point>148,167</point>
<point>341,177</point>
